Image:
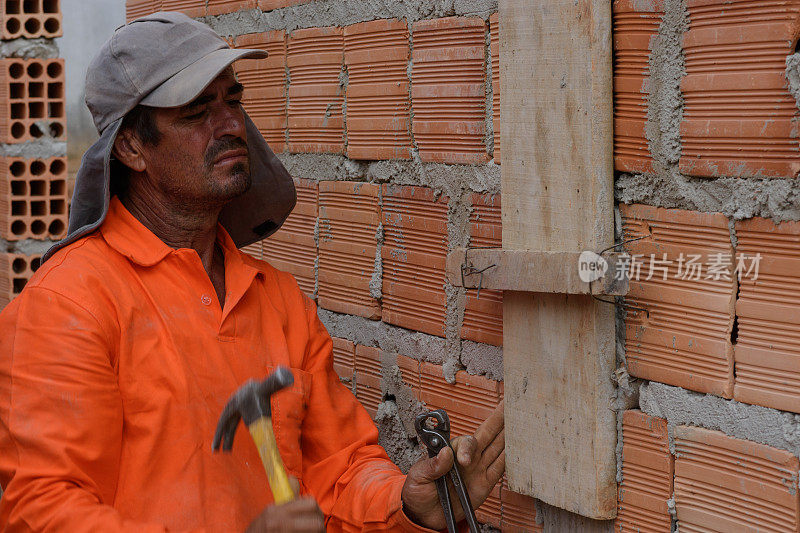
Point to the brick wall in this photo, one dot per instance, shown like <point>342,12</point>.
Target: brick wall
<point>703,102</point>
<point>33,164</point>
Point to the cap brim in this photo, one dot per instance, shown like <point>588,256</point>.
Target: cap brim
<point>187,84</point>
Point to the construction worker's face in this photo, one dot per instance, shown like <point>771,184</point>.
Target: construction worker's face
<point>203,158</point>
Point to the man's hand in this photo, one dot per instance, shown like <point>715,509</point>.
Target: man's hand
<point>302,515</point>
<point>482,459</point>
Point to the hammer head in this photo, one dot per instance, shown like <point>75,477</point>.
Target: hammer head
<point>249,403</point>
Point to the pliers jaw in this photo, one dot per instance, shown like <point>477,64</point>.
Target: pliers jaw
<point>433,428</point>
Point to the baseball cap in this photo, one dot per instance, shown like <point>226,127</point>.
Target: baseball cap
<point>166,60</point>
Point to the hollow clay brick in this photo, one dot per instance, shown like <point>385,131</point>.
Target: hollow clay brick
<point>292,248</point>
<point>685,340</point>
<point>468,403</point>
<point>635,24</point>
<point>316,95</point>
<point>32,100</point>
<point>414,255</point>
<point>727,484</point>
<point>767,352</point>
<point>448,90</point>
<point>368,378</point>
<point>349,218</point>
<point>483,314</point>
<point>494,51</point>
<point>264,83</point>
<point>33,198</point>
<point>647,471</point>
<point>738,115</point>
<point>344,358</point>
<point>15,271</point>
<point>491,512</point>
<point>378,117</point>
<point>518,511</point>
<point>255,250</point>
<point>220,7</point>
<point>30,19</point>
<point>135,9</point>
<point>191,8</point>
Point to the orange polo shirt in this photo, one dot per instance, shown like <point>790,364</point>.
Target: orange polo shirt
<point>115,363</point>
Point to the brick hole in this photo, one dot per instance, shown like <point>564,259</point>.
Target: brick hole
<point>16,70</point>
<point>17,111</point>
<point>13,25</point>
<point>55,90</point>
<point>18,227</point>
<point>56,129</point>
<point>55,110</point>
<point>19,265</point>
<point>19,188</point>
<point>50,6</point>
<point>32,26</point>
<point>52,25</point>
<point>12,7</point>
<point>38,168</point>
<point>19,284</point>
<point>30,6</point>
<point>38,209</point>
<point>58,207</point>
<point>38,187</point>
<point>36,110</point>
<point>57,167</point>
<point>17,168</point>
<point>35,70</point>
<point>35,89</point>
<point>38,227</point>
<point>18,130</point>
<point>56,228</point>
<point>54,69</point>
<point>58,188</point>
<point>35,131</point>
<point>36,262</point>
<point>17,91</point>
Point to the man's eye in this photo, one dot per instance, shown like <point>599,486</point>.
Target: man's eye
<point>197,115</point>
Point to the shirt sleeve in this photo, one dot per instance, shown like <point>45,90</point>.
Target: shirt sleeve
<point>61,419</point>
<point>356,484</point>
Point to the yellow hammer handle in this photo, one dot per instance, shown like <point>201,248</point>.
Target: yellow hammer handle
<point>264,437</point>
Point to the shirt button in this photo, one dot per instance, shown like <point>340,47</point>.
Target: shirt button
<point>206,299</point>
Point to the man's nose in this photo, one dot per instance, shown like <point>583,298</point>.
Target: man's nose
<point>228,120</point>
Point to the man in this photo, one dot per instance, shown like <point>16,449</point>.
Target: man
<point>117,358</point>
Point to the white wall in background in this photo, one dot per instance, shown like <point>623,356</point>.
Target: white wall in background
<point>87,25</point>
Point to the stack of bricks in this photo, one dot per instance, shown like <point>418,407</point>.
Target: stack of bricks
<point>33,187</point>
<point>715,291</point>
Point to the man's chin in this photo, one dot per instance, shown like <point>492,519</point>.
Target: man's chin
<point>238,183</point>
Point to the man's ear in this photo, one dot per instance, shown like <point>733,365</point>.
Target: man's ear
<point>128,150</point>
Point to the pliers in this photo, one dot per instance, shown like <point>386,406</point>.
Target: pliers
<point>433,428</point>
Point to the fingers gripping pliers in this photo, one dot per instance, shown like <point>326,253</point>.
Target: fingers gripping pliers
<point>433,428</point>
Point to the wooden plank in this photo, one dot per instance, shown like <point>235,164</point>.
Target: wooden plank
<point>529,271</point>
<point>557,178</point>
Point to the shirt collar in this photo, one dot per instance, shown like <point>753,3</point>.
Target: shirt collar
<point>127,235</point>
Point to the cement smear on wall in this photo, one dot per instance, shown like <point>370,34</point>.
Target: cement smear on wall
<point>737,198</point>
<point>743,421</point>
<point>345,12</point>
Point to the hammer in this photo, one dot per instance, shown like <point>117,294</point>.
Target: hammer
<point>251,404</point>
